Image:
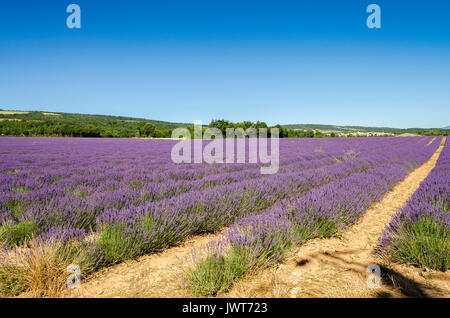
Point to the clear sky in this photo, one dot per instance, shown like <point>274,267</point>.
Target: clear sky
<point>276,61</point>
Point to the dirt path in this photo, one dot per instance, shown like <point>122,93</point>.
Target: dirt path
<point>334,267</point>
<point>155,275</point>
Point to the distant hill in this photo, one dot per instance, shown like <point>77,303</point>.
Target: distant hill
<point>43,123</point>
<point>336,128</point>
<point>363,129</point>
<point>86,118</point>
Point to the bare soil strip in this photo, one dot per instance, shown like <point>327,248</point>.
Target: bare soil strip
<point>334,267</point>
<point>431,141</point>
<point>155,275</point>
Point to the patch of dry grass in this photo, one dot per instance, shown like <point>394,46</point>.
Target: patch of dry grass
<point>39,271</point>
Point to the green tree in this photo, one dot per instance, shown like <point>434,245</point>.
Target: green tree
<point>319,134</point>
<point>146,129</point>
<point>221,124</point>
<point>283,132</point>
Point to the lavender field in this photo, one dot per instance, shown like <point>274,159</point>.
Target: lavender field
<point>98,202</point>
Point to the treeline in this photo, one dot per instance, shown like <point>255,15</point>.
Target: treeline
<point>223,124</point>
<point>59,128</point>
<point>128,129</point>
<point>434,132</point>
<point>37,123</point>
<point>283,131</point>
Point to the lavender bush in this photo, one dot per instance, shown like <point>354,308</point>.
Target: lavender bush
<point>419,234</point>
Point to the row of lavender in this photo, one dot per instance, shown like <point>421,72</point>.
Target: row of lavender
<point>32,176</point>
<point>130,232</point>
<point>419,234</point>
<point>56,183</point>
<point>258,241</point>
<point>109,224</point>
<point>88,176</point>
<point>89,169</point>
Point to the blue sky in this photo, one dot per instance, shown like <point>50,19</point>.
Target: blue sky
<point>275,61</point>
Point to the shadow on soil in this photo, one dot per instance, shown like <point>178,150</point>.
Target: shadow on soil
<point>394,283</point>
<point>404,286</point>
